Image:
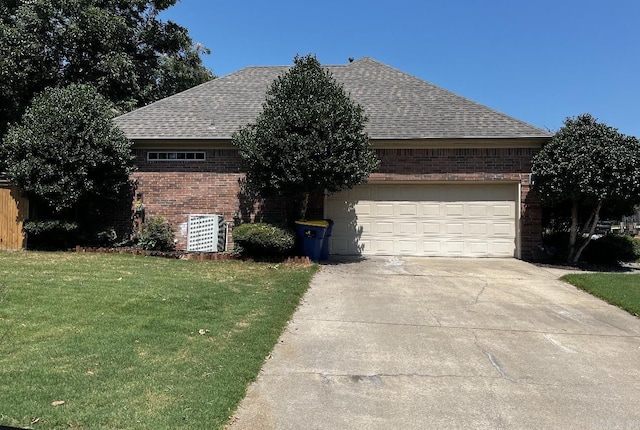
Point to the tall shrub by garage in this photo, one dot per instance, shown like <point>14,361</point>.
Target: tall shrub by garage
<point>308,139</point>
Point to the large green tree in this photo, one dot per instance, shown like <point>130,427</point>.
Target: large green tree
<point>68,156</point>
<point>587,166</point>
<point>308,139</point>
<point>120,47</point>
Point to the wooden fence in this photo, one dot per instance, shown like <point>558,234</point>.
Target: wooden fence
<point>14,209</point>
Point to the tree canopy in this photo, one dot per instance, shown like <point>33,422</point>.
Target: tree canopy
<point>309,137</point>
<point>587,164</point>
<point>67,154</point>
<point>119,46</point>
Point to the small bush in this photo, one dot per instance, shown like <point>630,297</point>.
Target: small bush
<point>556,245</point>
<point>50,234</point>
<point>636,247</point>
<point>610,249</point>
<point>263,239</point>
<point>157,235</point>
<point>106,237</point>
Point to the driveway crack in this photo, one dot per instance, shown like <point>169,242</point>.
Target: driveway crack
<point>494,362</point>
<point>480,293</point>
<point>376,378</point>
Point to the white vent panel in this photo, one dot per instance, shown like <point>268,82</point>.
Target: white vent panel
<point>203,232</point>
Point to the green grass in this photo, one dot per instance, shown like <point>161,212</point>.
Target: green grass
<point>622,290</point>
<point>135,342</point>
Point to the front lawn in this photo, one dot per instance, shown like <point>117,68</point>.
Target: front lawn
<point>135,342</point>
<point>622,290</point>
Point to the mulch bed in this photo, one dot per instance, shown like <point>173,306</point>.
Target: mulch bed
<point>215,256</point>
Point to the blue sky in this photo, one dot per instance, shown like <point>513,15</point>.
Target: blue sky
<point>538,60</point>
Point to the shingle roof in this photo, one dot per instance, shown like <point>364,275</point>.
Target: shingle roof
<point>398,105</point>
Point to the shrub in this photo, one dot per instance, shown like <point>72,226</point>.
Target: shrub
<point>636,247</point>
<point>610,249</point>
<point>106,237</point>
<point>50,234</point>
<point>262,239</point>
<point>555,245</point>
<point>157,235</point>
<point>309,138</point>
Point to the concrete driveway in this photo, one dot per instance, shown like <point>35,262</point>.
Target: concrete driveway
<point>420,343</point>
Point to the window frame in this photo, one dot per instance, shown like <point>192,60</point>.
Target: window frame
<point>162,156</point>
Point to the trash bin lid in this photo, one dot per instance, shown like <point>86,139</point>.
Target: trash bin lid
<point>314,223</point>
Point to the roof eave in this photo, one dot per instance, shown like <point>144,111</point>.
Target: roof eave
<point>181,142</point>
<point>462,142</point>
<point>417,143</point>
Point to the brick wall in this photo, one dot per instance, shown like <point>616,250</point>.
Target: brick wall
<point>175,189</point>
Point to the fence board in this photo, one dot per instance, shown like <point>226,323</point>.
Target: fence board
<point>14,209</point>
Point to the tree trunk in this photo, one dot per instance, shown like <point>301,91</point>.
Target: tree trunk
<point>573,232</point>
<point>303,205</point>
<point>596,218</point>
<point>587,225</point>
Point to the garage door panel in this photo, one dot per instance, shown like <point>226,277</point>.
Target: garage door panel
<point>507,211</point>
<point>503,229</point>
<point>453,210</point>
<point>343,229</point>
<point>431,228</point>
<point>363,209</point>
<point>454,228</point>
<point>364,228</point>
<point>453,248</point>
<point>477,229</point>
<point>383,209</point>
<point>478,248</point>
<point>478,210</point>
<point>384,247</point>
<point>430,210</point>
<point>442,220</point>
<point>383,228</point>
<point>501,248</point>
<point>341,246</point>
<point>363,247</point>
<point>407,247</point>
<point>431,247</point>
<point>408,228</point>
<point>408,209</point>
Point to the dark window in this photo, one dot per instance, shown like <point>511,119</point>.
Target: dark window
<point>175,156</point>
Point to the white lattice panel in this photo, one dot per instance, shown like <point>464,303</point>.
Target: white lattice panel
<point>202,235</point>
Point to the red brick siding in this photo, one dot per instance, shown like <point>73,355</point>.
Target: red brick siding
<point>179,188</point>
<point>453,164</point>
<point>175,189</point>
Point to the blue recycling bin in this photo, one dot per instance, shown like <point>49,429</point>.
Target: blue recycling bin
<point>311,234</point>
<point>324,254</point>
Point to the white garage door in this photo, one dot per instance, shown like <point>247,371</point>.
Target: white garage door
<point>462,220</point>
